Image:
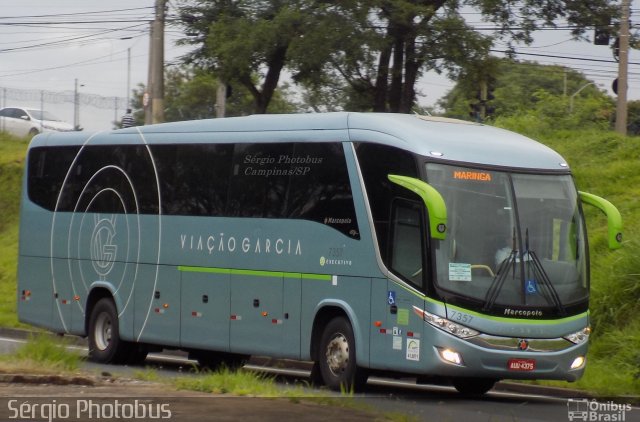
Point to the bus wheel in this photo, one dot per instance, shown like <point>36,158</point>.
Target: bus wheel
<point>105,344</point>
<point>337,357</point>
<point>473,386</point>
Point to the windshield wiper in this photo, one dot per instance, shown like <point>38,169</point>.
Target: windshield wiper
<point>540,275</point>
<point>503,271</point>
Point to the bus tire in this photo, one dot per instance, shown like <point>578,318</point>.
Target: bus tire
<point>473,386</point>
<point>105,344</point>
<point>337,357</point>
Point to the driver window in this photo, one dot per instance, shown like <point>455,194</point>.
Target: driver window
<point>407,240</point>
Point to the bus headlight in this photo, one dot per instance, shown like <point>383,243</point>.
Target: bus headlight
<point>450,327</point>
<point>579,337</point>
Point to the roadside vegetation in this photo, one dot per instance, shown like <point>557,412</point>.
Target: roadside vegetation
<point>604,163</point>
<point>12,152</point>
<point>608,165</point>
<point>42,354</point>
<point>54,357</point>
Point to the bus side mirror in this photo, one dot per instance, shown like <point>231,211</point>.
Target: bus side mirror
<point>432,199</point>
<point>614,220</point>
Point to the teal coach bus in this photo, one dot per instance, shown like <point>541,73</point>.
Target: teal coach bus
<point>366,243</point>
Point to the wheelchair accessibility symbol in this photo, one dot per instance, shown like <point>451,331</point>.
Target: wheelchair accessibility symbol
<point>391,297</point>
<point>531,287</point>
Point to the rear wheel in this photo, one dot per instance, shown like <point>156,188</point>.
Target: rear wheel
<point>33,131</point>
<point>473,386</point>
<point>105,344</point>
<point>337,357</point>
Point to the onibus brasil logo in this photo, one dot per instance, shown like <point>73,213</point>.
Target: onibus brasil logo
<point>593,410</point>
<point>103,249</point>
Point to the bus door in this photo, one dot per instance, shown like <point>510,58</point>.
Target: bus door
<point>398,339</point>
<point>256,319</point>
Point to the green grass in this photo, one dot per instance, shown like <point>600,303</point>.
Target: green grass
<point>12,152</point>
<point>42,353</point>
<point>235,382</point>
<point>608,165</point>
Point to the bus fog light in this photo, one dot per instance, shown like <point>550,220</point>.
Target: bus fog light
<point>578,362</point>
<point>450,356</point>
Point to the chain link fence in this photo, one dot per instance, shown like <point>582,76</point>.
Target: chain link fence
<point>95,112</point>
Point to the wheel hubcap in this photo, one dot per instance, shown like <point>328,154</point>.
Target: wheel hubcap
<point>103,331</point>
<point>337,354</point>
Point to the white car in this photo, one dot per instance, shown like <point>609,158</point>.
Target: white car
<point>22,122</point>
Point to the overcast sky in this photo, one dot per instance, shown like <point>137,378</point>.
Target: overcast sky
<point>91,40</point>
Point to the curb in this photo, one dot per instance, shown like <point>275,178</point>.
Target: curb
<point>541,390</point>
<point>46,379</point>
<point>25,334</point>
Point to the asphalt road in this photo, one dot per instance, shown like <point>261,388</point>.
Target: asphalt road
<point>423,402</point>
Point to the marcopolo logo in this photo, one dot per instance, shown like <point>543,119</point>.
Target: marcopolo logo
<point>593,410</point>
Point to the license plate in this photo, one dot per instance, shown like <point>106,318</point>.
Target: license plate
<point>521,364</point>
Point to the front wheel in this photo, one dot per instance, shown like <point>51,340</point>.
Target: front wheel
<point>105,344</point>
<point>337,357</point>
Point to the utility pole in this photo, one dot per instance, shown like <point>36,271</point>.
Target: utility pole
<point>128,79</point>
<point>154,112</point>
<point>484,90</point>
<point>623,64</point>
<point>76,106</point>
<point>221,98</point>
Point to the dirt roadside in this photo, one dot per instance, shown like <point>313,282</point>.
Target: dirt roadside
<point>57,399</point>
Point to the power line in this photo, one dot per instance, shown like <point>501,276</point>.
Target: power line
<point>80,63</point>
<point>555,57</point>
<point>76,13</point>
<point>27,23</point>
<point>64,42</point>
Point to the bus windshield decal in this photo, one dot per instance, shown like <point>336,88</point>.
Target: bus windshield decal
<point>479,176</point>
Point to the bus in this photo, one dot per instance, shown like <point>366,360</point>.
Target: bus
<point>444,250</point>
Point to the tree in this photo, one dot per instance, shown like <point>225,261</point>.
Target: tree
<point>190,94</point>
<point>517,87</point>
<point>373,51</point>
<point>633,121</point>
<point>247,42</point>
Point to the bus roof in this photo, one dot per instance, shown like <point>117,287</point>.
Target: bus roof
<point>438,138</point>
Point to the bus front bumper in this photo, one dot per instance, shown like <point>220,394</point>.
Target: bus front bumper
<point>504,358</point>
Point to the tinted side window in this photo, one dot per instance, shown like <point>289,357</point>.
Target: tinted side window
<point>194,179</point>
<point>406,246</point>
<point>376,163</point>
<point>47,169</point>
<point>281,180</point>
<point>111,179</point>
<point>320,188</point>
<point>259,180</point>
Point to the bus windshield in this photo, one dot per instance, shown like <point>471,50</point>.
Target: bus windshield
<point>514,239</point>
